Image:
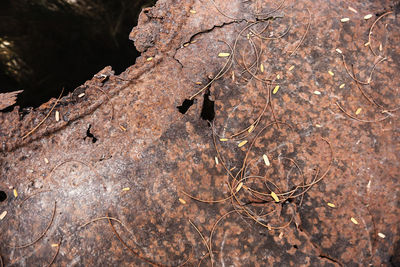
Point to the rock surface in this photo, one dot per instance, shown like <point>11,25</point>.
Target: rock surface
<point>121,147</point>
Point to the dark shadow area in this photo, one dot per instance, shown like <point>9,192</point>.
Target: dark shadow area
<point>46,45</point>
<point>187,103</point>
<point>3,196</point>
<point>207,111</point>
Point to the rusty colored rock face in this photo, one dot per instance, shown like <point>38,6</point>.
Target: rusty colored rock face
<point>298,165</point>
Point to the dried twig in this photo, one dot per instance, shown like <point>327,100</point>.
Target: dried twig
<point>304,35</point>
<point>48,114</point>
<point>55,255</point>
<point>42,235</point>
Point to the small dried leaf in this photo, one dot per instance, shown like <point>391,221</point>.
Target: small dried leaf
<point>274,196</point>
<point>3,214</point>
<point>345,20</point>
<point>278,77</point>
<point>291,68</point>
<point>57,115</point>
<point>352,9</point>
<point>15,193</point>
<point>251,128</point>
<point>262,68</point>
<point>366,44</point>
<point>182,201</point>
<point>242,143</point>
<point>339,51</point>
<point>342,85</point>
<point>122,128</point>
<point>358,111</point>
<point>381,235</point>
<point>331,205</point>
<point>194,41</point>
<point>186,44</point>
<point>223,139</point>
<point>216,161</point>
<point>367,17</point>
<point>266,160</point>
<point>318,125</point>
<point>239,187</point>
<point>199,83</point>
<point>275,89</point>
<point>126,189</point>
<point>353,220</point>
<point>224,54</point>
<point>81,95</point>
<point>54,245</point>
<point>149,59</point>
<point>192,11</point>
<point>380,47</point>
<point>331,73</point>
<point>46,160</point>
<point>317,92</point>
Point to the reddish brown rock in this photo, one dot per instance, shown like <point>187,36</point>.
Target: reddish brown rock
<point>126,132</point>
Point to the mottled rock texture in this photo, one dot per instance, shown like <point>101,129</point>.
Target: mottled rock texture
<point>138,139</point>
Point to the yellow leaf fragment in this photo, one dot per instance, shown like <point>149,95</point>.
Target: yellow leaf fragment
<point>353,220</point>
<point>54,245</point>
<point>331,205</point>
<point>380,47</point>
<point>126,189</point>
<point>366,44</point>
<point>339,51</point>
<point>192,11</point>
<point>194,41</point>
<point>352,9</point>
<point>331,73</point>
<point>275,89</point>
<point>242,143</point>
<point>318,125</point>
<point>81,95</point>
<point>3,214</point>
<point>274,196</point>
<point>239,187</point>
<point>262,68</point>
<point>122,128</point>
<point>251,128</point>
<point>342,85</point>
<point>182,201</point>
<point>358,111</point>
<point>15,193</point>
<point>344,19</point>
<point>317,92</point>
<point>367,17</point>
<point>199,83</point>
<point>291,68</point>
<point>149,59</point>
<point>266,160</point>
<point>381,235</point>
<point>185,44</point>
<point>278,77</point>
<point>46,160</point>
<point>224,54</point>
<point>223,139</point>
<point>57,115</point>
<point>216,161</point>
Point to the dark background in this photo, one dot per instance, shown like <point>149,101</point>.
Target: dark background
<point>46,45</point>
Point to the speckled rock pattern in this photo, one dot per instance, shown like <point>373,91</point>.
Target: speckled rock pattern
<point>122,149</point>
